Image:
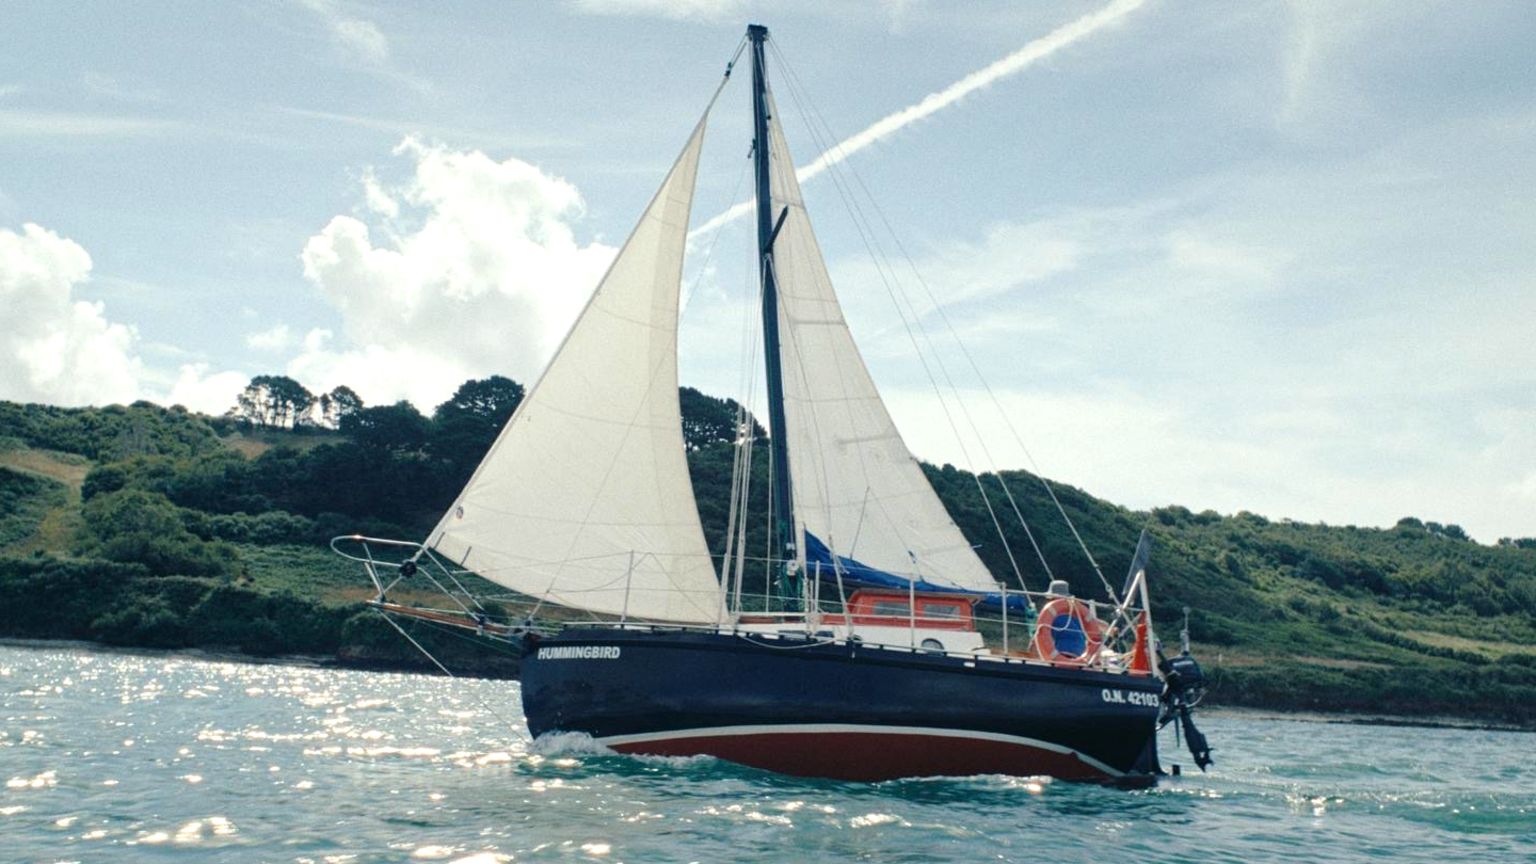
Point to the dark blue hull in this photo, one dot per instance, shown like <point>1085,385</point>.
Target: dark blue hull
<point>839,710</point>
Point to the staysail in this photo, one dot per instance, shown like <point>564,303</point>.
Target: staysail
<point>585,500</point>
<point>859,494</point>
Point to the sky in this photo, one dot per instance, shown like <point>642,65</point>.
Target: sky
<point>1276,257</point>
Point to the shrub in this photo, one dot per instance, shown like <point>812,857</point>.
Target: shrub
<point>148,622</point>
<point>264,529</point>
<point>132,525</point>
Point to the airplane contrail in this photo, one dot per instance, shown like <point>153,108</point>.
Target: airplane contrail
<point>1019,60</point>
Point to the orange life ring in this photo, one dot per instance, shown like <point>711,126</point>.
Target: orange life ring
<point>1047,627</point>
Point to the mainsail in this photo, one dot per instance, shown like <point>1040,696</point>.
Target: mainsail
<point>584,500</point>
<point>859,494</point>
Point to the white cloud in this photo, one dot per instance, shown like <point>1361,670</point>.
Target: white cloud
<point>62,351</point>
<point>1316,56</point>
<point>1023,58</point>
<point>1195,253</point>
<point>273,339</point>
<point>99,84</point>
<point>418,126</point>
<point>897,12</point>
<point>62,124</point>
<point>198,390</point>
<point>357,36</point>
<point>1026,56</point>
<point>672,10</point>
<point>363,42</point>
<point>54,348</point>
<point>381,374</point>
<point>377,199</point>
<point>469,268</point>
<point>1301,343</point>
<point>1318,460</point>
<point>363,38</point>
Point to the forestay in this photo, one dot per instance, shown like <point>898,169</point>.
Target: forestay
<point>857,488</point>
<point>584,500</point>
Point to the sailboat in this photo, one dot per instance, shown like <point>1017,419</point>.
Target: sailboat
<point>886,649</point>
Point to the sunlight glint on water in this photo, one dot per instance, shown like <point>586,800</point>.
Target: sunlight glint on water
<point>128,757</point>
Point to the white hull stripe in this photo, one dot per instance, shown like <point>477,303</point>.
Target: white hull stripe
<point>855,728</point>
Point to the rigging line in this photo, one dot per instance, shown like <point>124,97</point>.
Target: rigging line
<point>736,544</point>
<point>457,584</point>
<point>820,463</point>
<point>435,662</point>
<point>997,404</point>
<point>882,268</point>
<point>741,468</point>
<point>768,537</point>
<point>748,451</point>
<point>730,513</point>
<point>709,252</point>
<point>1002,481</point>
<point>785,168</point>
<point>450,594</point>
<point>495,445</point>
<point>858,527</point>
<point>533,392</point>
<point>741,387</point>
<point>740,564</point>
<point>818,457</point>
<point>633,422</point>
<point>887,275</point>
<point>975,368</point>
<point>754,349</point>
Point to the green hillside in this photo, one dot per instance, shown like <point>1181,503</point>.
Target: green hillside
<point>146,526</point>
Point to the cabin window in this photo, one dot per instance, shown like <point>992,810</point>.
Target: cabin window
<point>891,607</point>
<point>941,610</point>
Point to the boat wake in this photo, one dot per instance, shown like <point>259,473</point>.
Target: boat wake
<point>554,745</point>
<point>561,745</point>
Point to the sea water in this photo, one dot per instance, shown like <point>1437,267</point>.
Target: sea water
<point>128,757</point>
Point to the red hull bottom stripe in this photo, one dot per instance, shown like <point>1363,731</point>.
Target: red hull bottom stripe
<point>868,753</point>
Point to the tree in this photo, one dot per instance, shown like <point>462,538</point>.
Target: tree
<point>464,427</point>
<point>398,427</point>
<point>273,401</point>
<point>708,419</point>
<point>336,406</point>
<point>137,526</point>
<point>493,399</point>
<point>1452,532</point>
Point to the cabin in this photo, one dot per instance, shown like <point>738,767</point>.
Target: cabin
<point>894,609</point>
<point>941,622</point>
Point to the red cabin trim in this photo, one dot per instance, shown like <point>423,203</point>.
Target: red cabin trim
<point>890,609</point>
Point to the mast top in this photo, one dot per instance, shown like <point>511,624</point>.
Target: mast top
<point>757,32</point>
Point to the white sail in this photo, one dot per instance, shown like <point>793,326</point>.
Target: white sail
<point>856,486</point>
<point>585,500</point>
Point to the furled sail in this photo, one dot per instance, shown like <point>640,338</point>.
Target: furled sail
<point>859,494</point>
<point>585,500</point>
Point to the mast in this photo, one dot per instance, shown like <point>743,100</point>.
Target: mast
<point>784,540</point>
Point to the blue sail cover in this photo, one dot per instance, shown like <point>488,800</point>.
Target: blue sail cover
<point>859,575</point>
